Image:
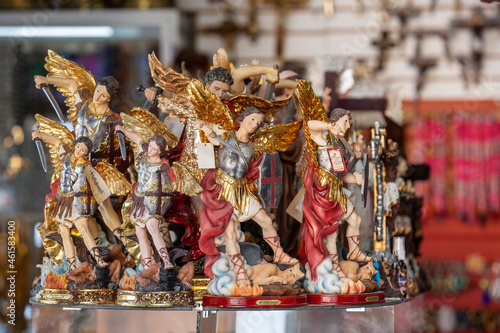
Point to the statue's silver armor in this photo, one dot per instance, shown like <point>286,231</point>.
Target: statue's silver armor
<point>98,127</point>
<point>324,160</point>
<point>230,162</point>
<point>74,180</point>
<point>66,185</point>
<point>148,182</point>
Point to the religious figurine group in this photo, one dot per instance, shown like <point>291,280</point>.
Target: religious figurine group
<point>121,203</point>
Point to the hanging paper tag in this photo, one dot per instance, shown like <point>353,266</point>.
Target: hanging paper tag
<point>295,207</point>
<point>206,156</point>
<point>100,190</point>
<point>336,159</point>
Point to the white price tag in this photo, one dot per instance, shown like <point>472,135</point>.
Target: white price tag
<point>206,156</point>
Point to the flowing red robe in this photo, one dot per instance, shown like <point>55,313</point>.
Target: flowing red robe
<point>320,219</point>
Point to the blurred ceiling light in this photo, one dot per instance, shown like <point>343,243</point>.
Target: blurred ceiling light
<point>16,162</point>
<point>8,141</point>
<point>56,32</point>
<point>18,134</point>
<point>328,8</point>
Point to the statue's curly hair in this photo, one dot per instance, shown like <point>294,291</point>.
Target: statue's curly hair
<point>219,74</point>
<point>111,84</point>
<point>338,113</point>
<point>160,142</point>
<point>86,141</point>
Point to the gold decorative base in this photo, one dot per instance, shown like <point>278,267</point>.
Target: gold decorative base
<point>200,285</point>
<point>163,299</point>
<point>75,297</point>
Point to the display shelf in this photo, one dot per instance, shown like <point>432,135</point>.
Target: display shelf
<point>375,317</point>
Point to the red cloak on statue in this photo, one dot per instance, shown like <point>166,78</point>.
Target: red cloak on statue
<point>320,219</point>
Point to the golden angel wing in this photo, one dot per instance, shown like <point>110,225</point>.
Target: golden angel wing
<point>312,109</point>
<point>136,126</point>
<point>155,125</point>
<point>60,67</point>
<point>268,108</point>
<point>169,80</point>
<point>188,184</point>
<point>275,138</point>
<point>209,107</point>
<point>55,129</point>
<point>171,107</point>
<point>117,183</point>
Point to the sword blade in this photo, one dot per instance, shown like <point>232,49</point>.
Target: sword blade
<point>147,105</point>
<point>53,101</point>
<point>123,146</point>
<point>364,184</point>
<point>41,153</point>
<point>290,111</point>
<point>226,144</point>
<point>163,116</point>
<point>268,94</point>
<point>347,146</point>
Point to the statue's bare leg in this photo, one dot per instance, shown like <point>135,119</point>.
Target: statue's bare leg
<point>68,245</point>
<point>271,237</point>
<point>234,253</point>
<point>153,226</point>
<point>353,236</point>
<point>82,224</point>
<point>146,253</point>
<point>112,219</point>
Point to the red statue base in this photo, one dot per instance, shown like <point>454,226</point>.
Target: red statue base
<point>255,301</point>
<point>356,299</point>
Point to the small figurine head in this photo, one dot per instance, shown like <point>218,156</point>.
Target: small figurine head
<point>342,118</point>
<point>368,271</point>
<point>106,89</point>
<point>284,93</point>
<point>293,273</point>
<point>360,139</point>
<point>251,119</point>
<point>83,146</point>
<point>219,81</point>
<point>157,146</point>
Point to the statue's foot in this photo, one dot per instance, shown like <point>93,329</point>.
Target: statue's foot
<point>336,266</point>
<point>239,269</point>
<point>357,255</point>
<point>280,257</point>
<point>284,258</point>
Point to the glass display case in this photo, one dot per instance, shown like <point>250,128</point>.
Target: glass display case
<point>391,316</point>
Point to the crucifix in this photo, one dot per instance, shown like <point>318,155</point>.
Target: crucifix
<point>282,7</point>
<point>229,29</point>
<point>384,44</point>
<point>477,23</point>
<point>422,64</point>
<point>404,13</point>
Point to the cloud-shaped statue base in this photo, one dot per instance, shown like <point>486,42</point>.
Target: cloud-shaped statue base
<point>327,281</point>
<point>224,277</point>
